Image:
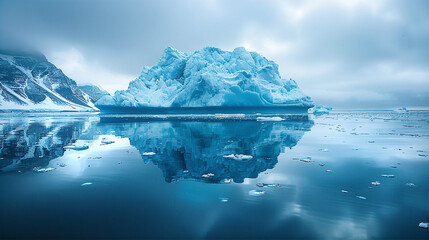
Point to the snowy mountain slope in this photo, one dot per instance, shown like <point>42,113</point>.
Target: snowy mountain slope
<point>29,82</point>
<point>94,92</point>
<point>210,77</point>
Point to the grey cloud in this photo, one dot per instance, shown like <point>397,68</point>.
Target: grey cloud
<point>352,50</point>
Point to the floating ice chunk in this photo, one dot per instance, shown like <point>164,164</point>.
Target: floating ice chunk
<point>388,175</point>
<point>272,119</point>
<point>323,150</point>
<point>226,180</point>
<point>208,175</point>
<point>361,197</point>
<point>86,184</point>
<point>376,183</point>
<point>77,148</point>
<point>344,191</point>
<point>306,160</point>
<point>106,141</point>
<point>39,169</point>
<point>268,185</point>
<point>256,193</point>
<point>321,164</point>
<point>223,199</point>
<point>424,225</point>
<point>62,164</point>
<point>371,141</point>
<point>240,157</point>
<point>148,153</point>
<point>329,170</point>
<point>410,184</point>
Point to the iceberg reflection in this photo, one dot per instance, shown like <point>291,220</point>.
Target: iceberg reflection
<point>201,150</point>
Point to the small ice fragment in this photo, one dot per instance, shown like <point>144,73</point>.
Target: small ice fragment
<point>329,170</point>
<point>119,162</point>
<point>361,197</point>
<point>148,153</point>
<point>388,175</point>
<point>227,180</point>
<point>344,191</point>
<point>62,164</point>
<point>306,160</point>
<point>355,149</point>
<point>39,169</point>
<point>86,184</point>
<point>77,148</point>
<point>424,225</point>
<point>376,183</point>
<point>256,192</point>
<point>274,119</point>
<point>410,184</point>
<point>269,185</point>
<point>240,157</point>
<point>371,141</point>
<point>106,141</point>
<point>207,175</point>
<point>223,199</point>
<point>321,164</point>
<point>324,150</point>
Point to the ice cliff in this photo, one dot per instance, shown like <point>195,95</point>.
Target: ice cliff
<point>209,77</point>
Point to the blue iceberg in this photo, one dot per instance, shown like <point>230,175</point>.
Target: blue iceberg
<point>209,78</point>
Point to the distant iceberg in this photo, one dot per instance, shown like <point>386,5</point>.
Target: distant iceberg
<point>401,110</point>
<point>208,78</point>
<point>320,109</point>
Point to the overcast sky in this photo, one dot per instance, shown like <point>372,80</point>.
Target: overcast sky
<point>356,54</point>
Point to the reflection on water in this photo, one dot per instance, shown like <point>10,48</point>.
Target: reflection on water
<point>188,150</point>
<point>30,142</point>
<point>183,150</point>
<point>150,177</point>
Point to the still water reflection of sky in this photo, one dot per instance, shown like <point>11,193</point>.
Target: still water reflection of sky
<point>189,189</point>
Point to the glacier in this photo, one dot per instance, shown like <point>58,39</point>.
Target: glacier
<point>208,78</point>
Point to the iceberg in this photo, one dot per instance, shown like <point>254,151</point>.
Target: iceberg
<point>401,110</point>
<point>320,109</point>
<point>210,80</point>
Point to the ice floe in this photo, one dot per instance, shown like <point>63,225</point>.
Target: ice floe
<point>241,157</point>
<point>148,153</point>
<point>272,119</point>
<point>256,193</point>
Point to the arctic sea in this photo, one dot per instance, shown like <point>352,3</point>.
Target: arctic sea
<point>346,175</point>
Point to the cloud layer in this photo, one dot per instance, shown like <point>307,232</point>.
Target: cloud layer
<point>348,54</point>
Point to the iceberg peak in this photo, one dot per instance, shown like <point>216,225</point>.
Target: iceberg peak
<point>209,77</point>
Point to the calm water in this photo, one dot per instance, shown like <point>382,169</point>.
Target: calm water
<point>171,179</point>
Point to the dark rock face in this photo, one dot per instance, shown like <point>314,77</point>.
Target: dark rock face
<point>30,81</point>
<point>94,92</point>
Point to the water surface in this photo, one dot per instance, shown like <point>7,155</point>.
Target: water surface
<point>172,178</point>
